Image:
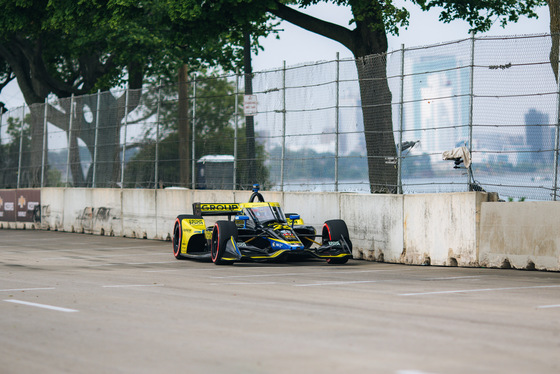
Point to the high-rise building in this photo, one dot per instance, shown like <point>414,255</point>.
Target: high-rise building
<point>539,136</point>
<point>438,113</point>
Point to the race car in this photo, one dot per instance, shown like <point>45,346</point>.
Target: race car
<point>256,231</point>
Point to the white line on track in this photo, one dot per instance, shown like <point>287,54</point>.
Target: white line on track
<point>253,276</point>
<point>45,250</point>
<point>475,290</point>
<point>329,273</point>
<point>548,306</point>
<point>452,278</point>
<point>43,306</point>
<point>333,283</point>
<point>149,263</point>
<point>89,249</point>
<point>132,263</point>
<point>89,257</point>
<point>133,285</point>
<point>211,270</point>
<point>161,271</point>
<point>27,289</point>
<point>242,283</point>
<point>150,247</point>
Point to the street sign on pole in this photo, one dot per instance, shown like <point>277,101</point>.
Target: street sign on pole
<point>250,105</point>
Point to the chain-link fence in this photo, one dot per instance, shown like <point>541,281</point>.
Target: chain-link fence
<point>376,124</point>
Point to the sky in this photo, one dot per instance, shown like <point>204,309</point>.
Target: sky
<point>297,46</point>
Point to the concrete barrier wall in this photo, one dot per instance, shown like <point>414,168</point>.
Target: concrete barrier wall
<point>441,229</point>
<point>375,225</point>
<point>522,235</point>
<point>456,229</point>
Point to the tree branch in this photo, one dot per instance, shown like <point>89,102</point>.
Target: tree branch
<point>9,77</point>
<point>19,63</point>
<point>327,29</point>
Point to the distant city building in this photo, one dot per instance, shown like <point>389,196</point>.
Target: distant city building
<point>438,115</point>
<point>539,136</point>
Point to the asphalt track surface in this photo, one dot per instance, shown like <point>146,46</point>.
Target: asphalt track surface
<point>74,303</point>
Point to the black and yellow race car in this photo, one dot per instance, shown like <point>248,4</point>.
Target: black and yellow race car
<point>256,231</point>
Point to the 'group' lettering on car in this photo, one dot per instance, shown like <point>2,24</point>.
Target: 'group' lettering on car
<point>233,207</point>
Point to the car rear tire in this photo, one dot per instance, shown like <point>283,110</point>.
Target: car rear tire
<point>221,234</point>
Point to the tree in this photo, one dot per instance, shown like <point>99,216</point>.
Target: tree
<point>67,47</point>
<point>368,42</point>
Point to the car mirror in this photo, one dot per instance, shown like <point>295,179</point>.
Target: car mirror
<point>293,218</point>
<point>241,221</point>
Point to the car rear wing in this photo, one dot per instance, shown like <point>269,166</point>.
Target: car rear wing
<point>216,209</point>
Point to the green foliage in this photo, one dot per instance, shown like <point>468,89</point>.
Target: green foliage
<point>78,47</point>
<point>381,15</point>
<point>482,14</point>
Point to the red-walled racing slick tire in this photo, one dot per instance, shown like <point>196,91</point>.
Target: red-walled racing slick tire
<point>221,235</point>
<point>336,230</point>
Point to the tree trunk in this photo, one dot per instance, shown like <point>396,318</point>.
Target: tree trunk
<point>37,125</point>
<point>78,179</point>
<point>249,120</point>
<point>554,10</point>
<point>184,128</point>
<point>378,123</point>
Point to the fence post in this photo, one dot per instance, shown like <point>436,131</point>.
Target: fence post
<point>69,139</point>
<point>20,145</point>
<point>556,139</point>
<point>193,136</point>
<point>471,107</point>
<point>236,123</point>
<point>45,150</point>
<point>124,140</point>
<point>337,123</point>
<point>283,126</point>
<point>156,158</point>
<point>401,112</point>
<point>96,135</point>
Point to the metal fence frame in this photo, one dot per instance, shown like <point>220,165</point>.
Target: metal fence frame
<point>283,110</point>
